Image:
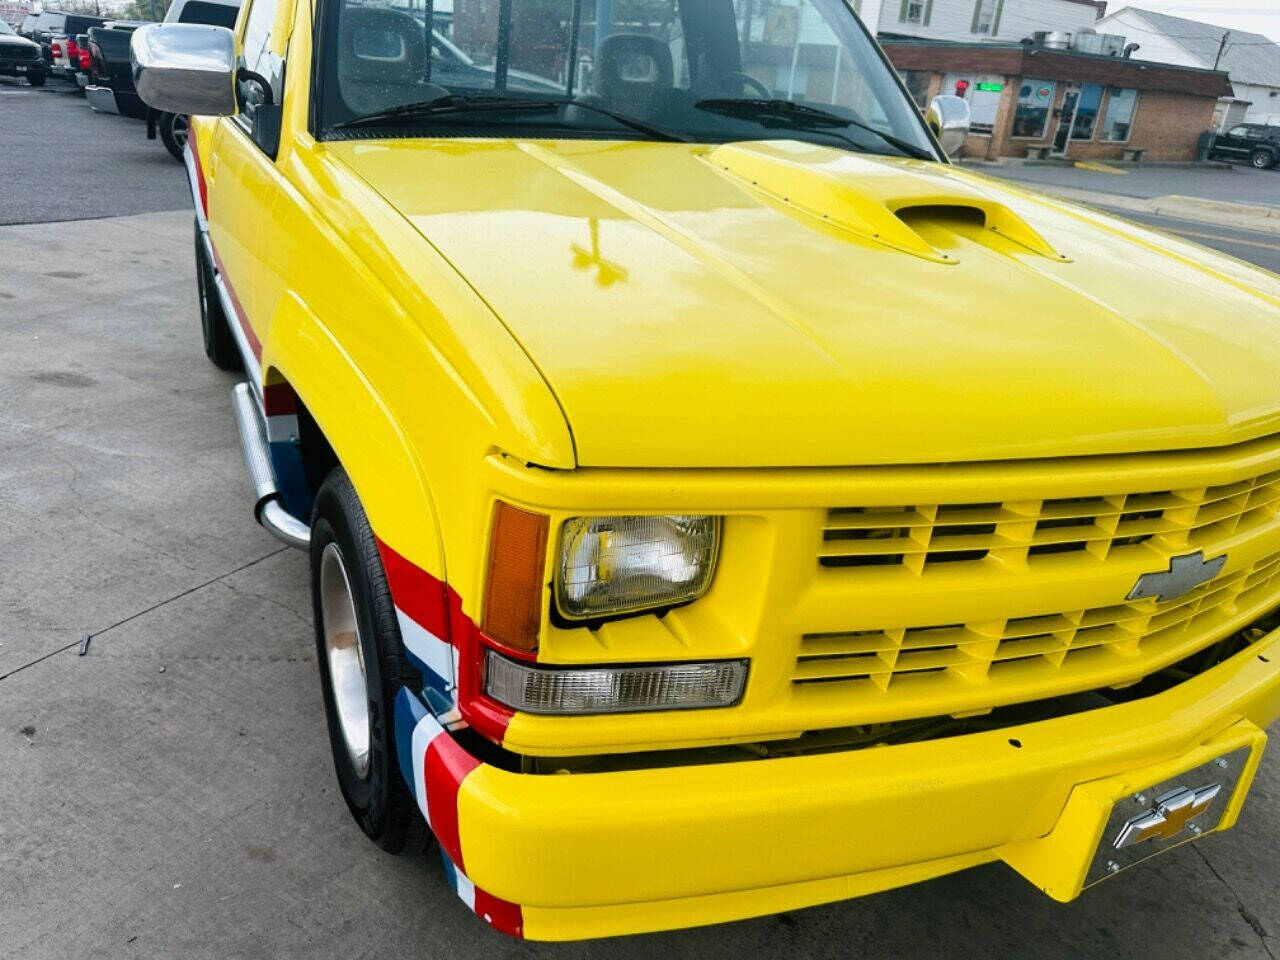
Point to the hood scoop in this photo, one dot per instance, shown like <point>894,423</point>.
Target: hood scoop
<point>893,203</point>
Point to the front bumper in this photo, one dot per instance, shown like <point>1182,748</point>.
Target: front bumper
<point>589,855</point>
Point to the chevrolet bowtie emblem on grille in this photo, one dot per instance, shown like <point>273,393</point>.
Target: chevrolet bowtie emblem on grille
<point>1185,573</point>
<point>1169,817</point>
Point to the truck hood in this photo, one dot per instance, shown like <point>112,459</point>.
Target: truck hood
<point>10,43</point>
<point>777,303</point>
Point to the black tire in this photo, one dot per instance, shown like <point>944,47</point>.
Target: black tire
<point>379,799</point>
<point>1262,159</point>
<point>219,344</point>
<point>173,131</point>
<point>35,79</point>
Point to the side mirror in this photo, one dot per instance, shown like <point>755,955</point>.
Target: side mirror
<point>948,118</point>
<point>185,68</point>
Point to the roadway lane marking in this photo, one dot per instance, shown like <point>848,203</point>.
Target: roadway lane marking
<point>1099,168</point>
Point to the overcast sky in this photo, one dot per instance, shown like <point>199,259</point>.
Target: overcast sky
<point>1256,16</point>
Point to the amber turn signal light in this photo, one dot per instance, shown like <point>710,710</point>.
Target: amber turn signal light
<point>514,588</point>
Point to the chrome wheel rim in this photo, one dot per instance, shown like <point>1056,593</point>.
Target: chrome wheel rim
<point>347,679</point>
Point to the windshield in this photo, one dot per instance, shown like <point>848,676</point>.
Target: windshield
<point>699,70</point>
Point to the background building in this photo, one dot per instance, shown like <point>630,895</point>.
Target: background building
<point>1251,59</point>
<point>975,20</point>
<point>13,12</point>
<point>1032,98</point>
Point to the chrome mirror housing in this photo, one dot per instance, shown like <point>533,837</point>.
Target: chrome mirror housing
<point>948,118</point>
<point>185,68</point>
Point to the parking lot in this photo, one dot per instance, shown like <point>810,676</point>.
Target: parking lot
<point>61,161</point>
<point>170,793</point>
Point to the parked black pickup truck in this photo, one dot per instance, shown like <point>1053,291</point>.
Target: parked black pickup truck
<point>20,57</point>
<point>110,88</point>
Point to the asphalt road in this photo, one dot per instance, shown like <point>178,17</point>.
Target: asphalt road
<point>170,793</point>
<point>61,161</point>
<point>1234,182</point>
<point>1261,249</point>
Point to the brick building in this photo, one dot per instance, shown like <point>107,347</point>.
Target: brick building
<point>1076,105</point>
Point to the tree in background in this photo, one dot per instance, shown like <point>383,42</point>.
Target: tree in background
<point>116,10</point>
<point>144,10</point>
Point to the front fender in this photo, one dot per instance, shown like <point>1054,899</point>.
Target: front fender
<point>364,434</point>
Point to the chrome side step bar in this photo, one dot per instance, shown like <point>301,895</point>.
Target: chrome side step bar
<point>267,505</point>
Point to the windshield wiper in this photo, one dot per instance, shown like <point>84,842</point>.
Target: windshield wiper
<point>451,103</point>
<point>799,115</point>
<point>458,103</point>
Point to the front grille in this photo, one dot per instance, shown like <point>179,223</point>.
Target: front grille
<point>918,537</point>
<point>1033,646</point>
<point>954,605</point>
<point>19,52</point>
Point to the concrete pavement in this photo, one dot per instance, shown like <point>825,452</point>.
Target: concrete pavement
<point>171,793</point>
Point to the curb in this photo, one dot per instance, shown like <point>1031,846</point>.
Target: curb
<point>1226,208</point>
<point>1257,218</point>
<point>1222,166</point>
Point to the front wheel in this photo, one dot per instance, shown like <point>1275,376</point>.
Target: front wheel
<point>173,131</point>
<point>362,667</point>
<point>35,79</point>
<point>1262,159</point>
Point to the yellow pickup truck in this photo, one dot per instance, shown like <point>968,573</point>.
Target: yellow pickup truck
<point>717,501</point>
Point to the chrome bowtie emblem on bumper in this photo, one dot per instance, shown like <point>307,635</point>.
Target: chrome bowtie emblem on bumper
<point>1172,813</point>
<point>1185,573</point>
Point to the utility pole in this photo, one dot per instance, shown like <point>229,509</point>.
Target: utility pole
<point>1222,48</point>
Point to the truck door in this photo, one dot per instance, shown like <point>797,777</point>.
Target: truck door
<point>1234,142</point>
<point>244,180</point>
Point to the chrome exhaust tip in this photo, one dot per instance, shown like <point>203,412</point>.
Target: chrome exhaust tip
<point>267,506</point>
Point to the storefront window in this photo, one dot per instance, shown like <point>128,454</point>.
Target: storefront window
<point>983,91</point>
<point>1087,112</point>
<point>1119,118</point>
<point>917,82</point>
<point>1035,100</point>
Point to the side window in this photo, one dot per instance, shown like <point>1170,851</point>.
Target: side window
<point>1240,131</point>
<point>214,14</point>
<point>260,95</point>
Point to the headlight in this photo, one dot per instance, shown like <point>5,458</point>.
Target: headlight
<point>614,565</point>
<point>558,690</point>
